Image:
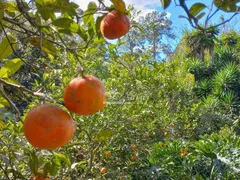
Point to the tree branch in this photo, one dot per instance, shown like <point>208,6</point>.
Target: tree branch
<point>207,19</point>
<point>11,103</point>
<point>22,9</point>
<point>23,88</point>
<point>226,20</point>
<point>190,16</point>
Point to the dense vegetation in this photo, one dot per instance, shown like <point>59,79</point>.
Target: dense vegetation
<point>170,113</point>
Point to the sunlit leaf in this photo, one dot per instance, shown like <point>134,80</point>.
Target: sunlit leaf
<point>5,48</point>
<point>200,15</point>
<point>63,158</point>
<point>56,6</point>
<point>98,22</point>
<point>10,67</point>
<point>227,5</point>
<point>165,3</point>
<point>197,8</point>
<point>92,6</point>
<point>104,135</point>
<point>47,46</point>
<point>3,102</point>
<point>120,6</point>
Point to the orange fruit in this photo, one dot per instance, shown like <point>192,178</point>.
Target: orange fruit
<point>40,171</point>
<point>108,153</point>
<point>85,96</point>
<point>103,170</point>
<point>134,147</point>
<point>133,158</point>
<point>48,127</point>
<point>114,25</point>
<point>185,152</point>
<point>164,145</point>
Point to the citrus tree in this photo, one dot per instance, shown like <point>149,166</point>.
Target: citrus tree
<point>75,106</point>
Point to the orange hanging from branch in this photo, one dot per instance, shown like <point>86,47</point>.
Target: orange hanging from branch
<point>85,96</point>
<point>48,127</point>
<point>114,25</point>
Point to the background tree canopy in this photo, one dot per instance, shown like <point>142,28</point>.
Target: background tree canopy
<point>171,112</point>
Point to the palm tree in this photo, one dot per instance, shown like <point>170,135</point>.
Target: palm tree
<point>200,40</point>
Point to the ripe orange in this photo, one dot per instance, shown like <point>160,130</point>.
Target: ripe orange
<point>48,127</point>
<point>40,171</point>
<point>108,153</point>
<point>184,153</point>
<point>134,147</point>
<point>103,170</point>
<point>133,158</point>
<point>164,145</point>
<point>85,96</point>
<point>114,25</point>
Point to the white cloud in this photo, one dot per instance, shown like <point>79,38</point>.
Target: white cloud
<point>146,6</point>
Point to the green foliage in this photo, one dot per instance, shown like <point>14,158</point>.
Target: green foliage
<point>10,67</point>
<point>213,156</point>
<point>197,8</point>
<point>227,5</point>
<point>5,48</point>
<point>148,100</point>
<point>165,3</point>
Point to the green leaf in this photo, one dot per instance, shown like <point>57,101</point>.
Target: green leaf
<point>11,7</point>
<point>10,67</point>
<point>227,5</point>
<point>69,26</point>
<point>47,46</point>
<point>46,13</point>
<point>88,17</point>
<point>46,169</point>
<point>63,22</point>
<point>98,22</point>
<point>92,6</point>
<point>82,33</point>
<point>57,6</point>
<point>200,15</point>
<point>120,6</point>
<point>3,102</point>
<point>1,13</point>
<point>197,8</point>
<point>138,27</point>
<point>2,124</point>
<point>104,135</point>
<point>10,80</point>
<point>63,158</point>
<point>165,3</point>
<point>5,48</point>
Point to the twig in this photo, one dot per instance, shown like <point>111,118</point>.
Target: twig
<point>13,49</point>
<point>5,173</point>
<point>226,20</point>
<point>21,87</point>
<point>23,10</point>
<point>190,16</point>
<point>11,103</point>
<point>207,19</point>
